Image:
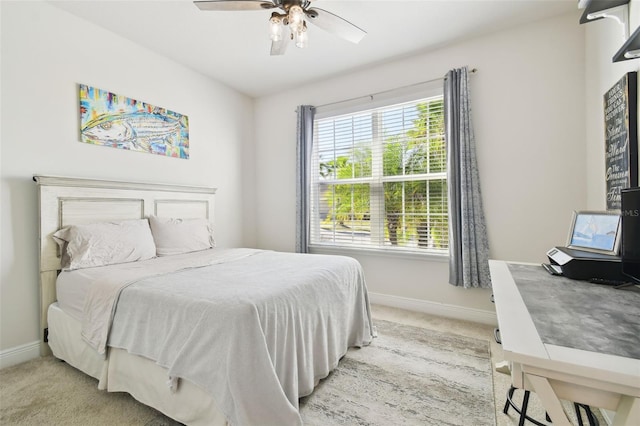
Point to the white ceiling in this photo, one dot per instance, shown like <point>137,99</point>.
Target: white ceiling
<point>233,47</point>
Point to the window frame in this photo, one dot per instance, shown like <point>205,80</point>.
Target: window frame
<point>352,107</point>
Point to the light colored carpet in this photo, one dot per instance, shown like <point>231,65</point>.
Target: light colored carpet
<point>408,376</point>
<point>48,392</point>
<point>501,382</point>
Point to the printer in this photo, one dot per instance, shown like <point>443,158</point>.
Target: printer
<point>585,265</point>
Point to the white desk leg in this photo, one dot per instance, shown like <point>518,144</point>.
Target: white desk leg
<point>549,400</point>
<point>628,412</point>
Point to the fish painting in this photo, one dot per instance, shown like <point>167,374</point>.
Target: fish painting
<point>112,120</point>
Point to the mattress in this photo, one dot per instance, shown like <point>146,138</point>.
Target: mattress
<point>71,292</point>
<point>123,372</point>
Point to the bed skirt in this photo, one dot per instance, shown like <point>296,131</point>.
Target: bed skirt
<point>140,377</point>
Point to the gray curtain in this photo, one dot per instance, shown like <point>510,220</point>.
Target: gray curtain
<point>468,243</point>
<point>304,146</point>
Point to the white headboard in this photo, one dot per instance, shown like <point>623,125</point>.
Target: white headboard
<point>67,201</point>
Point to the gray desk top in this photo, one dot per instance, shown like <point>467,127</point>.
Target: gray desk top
<point>579,314</point>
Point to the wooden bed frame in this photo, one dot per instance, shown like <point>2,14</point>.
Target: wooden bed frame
<point>67,201</point>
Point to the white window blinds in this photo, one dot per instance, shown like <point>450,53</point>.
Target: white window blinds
<point>379,179</point>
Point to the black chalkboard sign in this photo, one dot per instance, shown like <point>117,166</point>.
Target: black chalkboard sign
<point>621,137</point>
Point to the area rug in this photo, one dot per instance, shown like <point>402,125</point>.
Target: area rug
<point>407,376</point>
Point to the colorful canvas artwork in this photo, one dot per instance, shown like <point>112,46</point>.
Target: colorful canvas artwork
<point>113,120</point>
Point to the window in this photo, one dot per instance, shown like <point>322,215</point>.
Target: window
<point>378,179</point>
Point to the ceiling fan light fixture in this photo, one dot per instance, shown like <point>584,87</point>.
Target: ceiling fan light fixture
<point>296,19</point>
<point>276,27</point>
<point>301,37</point>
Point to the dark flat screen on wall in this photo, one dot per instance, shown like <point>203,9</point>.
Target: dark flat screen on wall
<point>630,251</point>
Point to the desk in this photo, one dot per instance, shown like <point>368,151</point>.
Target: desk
<point>555,371</point>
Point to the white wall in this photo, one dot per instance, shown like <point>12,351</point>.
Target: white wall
<point>45,53</point>
<point>528,107</point>
<point>603,38</point>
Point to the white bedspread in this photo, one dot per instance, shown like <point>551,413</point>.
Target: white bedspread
<point>106,283</point>
<point>255,329</point>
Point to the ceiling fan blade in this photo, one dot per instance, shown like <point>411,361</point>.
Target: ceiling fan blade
<point>233,5</point>
<point>279,47</point>
<point>335,24</point>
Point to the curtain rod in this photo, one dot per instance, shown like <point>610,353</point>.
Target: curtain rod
<point>472,71</point>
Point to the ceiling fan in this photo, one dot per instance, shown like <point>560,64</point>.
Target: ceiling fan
<point>293,14</point>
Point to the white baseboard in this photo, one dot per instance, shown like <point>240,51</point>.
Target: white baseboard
<point>19,354</point>
<point>434,308</point>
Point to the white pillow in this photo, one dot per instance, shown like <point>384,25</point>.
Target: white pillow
<point>176,236</point>
<point>105,243</point>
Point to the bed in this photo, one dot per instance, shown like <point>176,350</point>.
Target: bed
<point>205,335</point>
